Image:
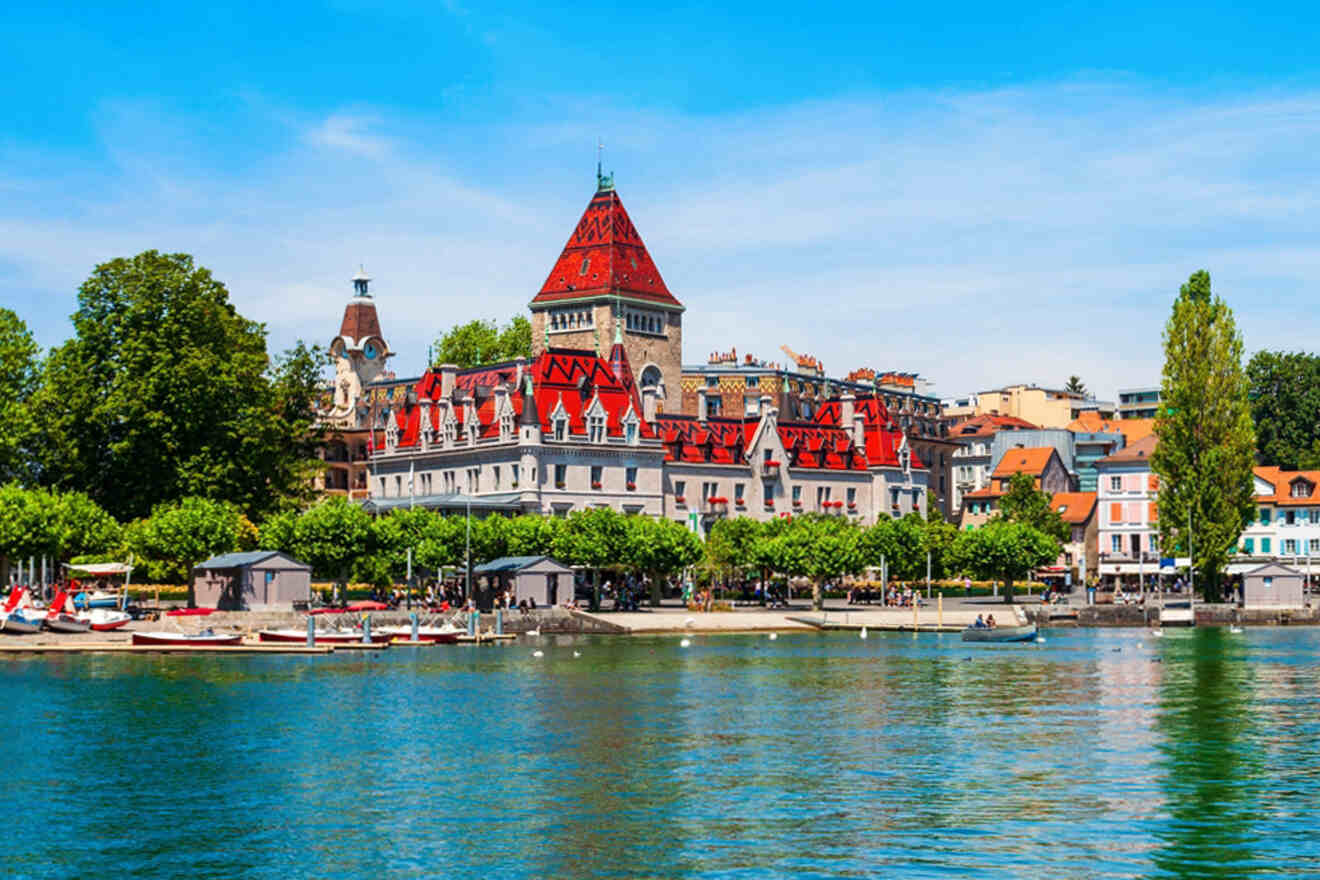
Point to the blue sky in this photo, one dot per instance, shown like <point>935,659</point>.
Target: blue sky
<point>982,194</point>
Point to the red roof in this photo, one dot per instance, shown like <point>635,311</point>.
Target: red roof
<point>988,426</point>
<point>1074,507</point>
<point>1282,481</point>
<point>605,255</point>
<point>560,377</point>
<point>360,320</point>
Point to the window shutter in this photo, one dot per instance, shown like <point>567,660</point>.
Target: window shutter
<point>1115,513</point>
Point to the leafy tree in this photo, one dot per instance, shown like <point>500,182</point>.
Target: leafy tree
<point>22,526</point>
<point>532,535</point>
<point>165,391</point>
<point>593,539</point>
<point>937,540</point>
<point>1075,385</point>
<point>818,547</point>
<point>179,536</point>
<point>933,509</point>
<point>332,537</point>
<point>478,343</point>
<point>34,522</point>
<point>1284,390</point>
<point>659,548</point>
<point>19,374</point>
<point>899,542</point>
<point>1206,440</point>
<point>1002,550</point>
<point>730,544</point>
<point>1026,504</point>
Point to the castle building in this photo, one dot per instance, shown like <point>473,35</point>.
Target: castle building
<point>605,280</point>
<point>575,428</point>
<point>360,354</point>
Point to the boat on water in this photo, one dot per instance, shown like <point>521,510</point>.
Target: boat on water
<point>1025,633</point>
<point>323,636</point>
<point>175,639</point>
<point>442,635</point>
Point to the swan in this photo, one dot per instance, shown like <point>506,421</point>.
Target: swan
<point>1235,629</point>
<point>534,632</point>
<point>862,634</point>
<point>773,636</point>
<point>685,643</point>
<point>538,653</point>
<point>577,653</point>
<point>1157,633</point>
<point>690,622</point>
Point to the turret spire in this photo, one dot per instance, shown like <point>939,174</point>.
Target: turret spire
<point>360,282</point>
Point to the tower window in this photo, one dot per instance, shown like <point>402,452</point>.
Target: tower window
<point>586,263</point>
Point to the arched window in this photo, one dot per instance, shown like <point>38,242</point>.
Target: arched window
<point>651,376</point>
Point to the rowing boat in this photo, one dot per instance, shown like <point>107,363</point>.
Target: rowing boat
<point>1000,633</point>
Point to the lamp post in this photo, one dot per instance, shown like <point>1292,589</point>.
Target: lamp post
<point>467,548</point>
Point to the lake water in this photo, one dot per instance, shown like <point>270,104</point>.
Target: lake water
<point>1096,754</point>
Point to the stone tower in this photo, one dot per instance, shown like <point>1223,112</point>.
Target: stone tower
<point>360,354</point>
<point>605,280</point>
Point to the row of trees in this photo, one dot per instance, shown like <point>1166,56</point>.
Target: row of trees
<point>164,392</point>
<point>342,542</point>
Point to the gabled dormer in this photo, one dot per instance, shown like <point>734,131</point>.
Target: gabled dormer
<point>559,428</point>
<point>597,420</point>
<point>1300,487</point>
<point>631,426</point>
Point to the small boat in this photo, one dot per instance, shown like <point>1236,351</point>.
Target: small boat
<point>1025,633</point>
<point>60,621</point>
<point>104,620</point>
<point>174,639</point>
<point>442,635</point>
<point>323,636</point>
<point>17,623</point>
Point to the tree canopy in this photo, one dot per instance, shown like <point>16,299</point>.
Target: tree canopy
<point>1075,385</point>
<point>478,343</point>
<point>1284,390</point>
<point>177,536</point>
<point>1206,439</point>
<point>1026,504</point>
<point>165,391</point>
<point>19,374</point>
<point>1002,550</point>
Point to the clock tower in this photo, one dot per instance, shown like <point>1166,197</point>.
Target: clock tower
<point>359,352</point>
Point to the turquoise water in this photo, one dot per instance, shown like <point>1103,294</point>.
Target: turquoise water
<point>1097,754</point>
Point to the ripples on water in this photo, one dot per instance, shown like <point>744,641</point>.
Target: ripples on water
<point>1098,754</point>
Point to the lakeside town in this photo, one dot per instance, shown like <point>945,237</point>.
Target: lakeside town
<point>581,438</point>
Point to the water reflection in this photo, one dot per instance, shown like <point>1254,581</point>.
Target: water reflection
<point>1099,754</point>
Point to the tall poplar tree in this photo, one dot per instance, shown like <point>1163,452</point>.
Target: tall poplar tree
<point>1206,439</point>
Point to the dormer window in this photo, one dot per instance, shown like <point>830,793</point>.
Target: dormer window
<point>630,432</point>
<point>506,426</point>
<point>596,428</point>
<point>561,428</point>
<point>451,432</point>
<point>1301,489</point>
<point>472,432</point>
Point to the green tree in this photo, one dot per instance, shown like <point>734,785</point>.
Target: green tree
<point>178,536</point>
<point>1284,390</point>
<point>818,547</point>
<point>478,343</point>
<point>19,374</point>
<point>23,526</point>
<point>660,548</point>
<point>332,537</point>
<point>77,525</point>
<point>1002,550</point>
<point>937,540</point>
<point>730,545</point>
<point>593,539</point>
<point>1075,385</point>
<point>1206,440</point>
<point>532,535</point>
<point>165,391</point>
<point>1026,504</point>
<point>899,542</point>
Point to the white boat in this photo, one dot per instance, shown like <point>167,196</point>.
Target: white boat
<point>446,634</point>
<point>17,623</point>
<point>323,636</point>
<point>103,619</point>
<point>66,623</point>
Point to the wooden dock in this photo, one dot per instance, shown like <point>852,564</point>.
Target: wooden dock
<point>486,638</point>
<point>17,647</point>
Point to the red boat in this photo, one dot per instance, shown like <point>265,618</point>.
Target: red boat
<point>169,639</point>
<point>104,620</point>
<point>190,612</point>
<point>323,637</point>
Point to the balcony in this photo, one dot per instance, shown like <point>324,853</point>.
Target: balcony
<point>715,505</point>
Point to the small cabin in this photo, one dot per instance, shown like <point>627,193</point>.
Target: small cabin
<point>1273,586</point>
<point>261,580</point>
<point>540,578</point>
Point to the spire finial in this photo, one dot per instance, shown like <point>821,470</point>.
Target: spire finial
<point>618,318</point>
<point>603,183</point>
<point>360,282</point>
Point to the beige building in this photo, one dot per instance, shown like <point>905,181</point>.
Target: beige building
<point>1043,407</point>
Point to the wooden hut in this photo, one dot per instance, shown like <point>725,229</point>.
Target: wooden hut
<point>1273,585</point>
<point>261,580</point>
<point>538,578</point>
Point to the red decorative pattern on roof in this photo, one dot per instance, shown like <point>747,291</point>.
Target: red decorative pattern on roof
<point>716,441</point>
<point>605,255</point>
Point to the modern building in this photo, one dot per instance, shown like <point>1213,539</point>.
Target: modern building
<point>1127,495</point>
<point>572,428</point>
<point>1042,463</point>
<point>972,458</point>
<point>1045,407</point>
<point>1138,403</point>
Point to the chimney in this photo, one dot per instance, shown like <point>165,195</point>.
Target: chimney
<point>701,404</point>
<point>424,424</point>
<point>846,410</point>
<point>520,365</point>
<point>764,405</point>
<point>859,432</point>
<point>448,373</point>
<point>649,404</point>
<point>501,397</point>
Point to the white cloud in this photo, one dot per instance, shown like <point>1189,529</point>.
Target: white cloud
<point>981,238</point>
